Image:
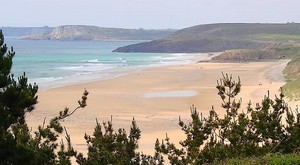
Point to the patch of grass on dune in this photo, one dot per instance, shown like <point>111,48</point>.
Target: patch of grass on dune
<point>273,159</point>
<point>291,51</point>
<point>292,71</point>
<point>277,37</point>
<point>292,89</point>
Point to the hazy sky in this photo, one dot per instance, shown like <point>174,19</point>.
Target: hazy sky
<point>149,14</point>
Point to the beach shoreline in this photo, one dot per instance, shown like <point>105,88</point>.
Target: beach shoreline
<point>111,73</point>
<point>125,97</point>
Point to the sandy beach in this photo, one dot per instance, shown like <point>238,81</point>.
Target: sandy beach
<point>155,97</point>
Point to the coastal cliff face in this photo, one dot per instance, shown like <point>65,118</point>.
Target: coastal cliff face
<point>67,33</point>
<point>82,32</point>
<point>245,55</point>
<point>220,37</point>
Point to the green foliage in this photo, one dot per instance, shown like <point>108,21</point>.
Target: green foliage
<point>271,159</point>
<point>17,144</point>
<point>254,132</point>
<point>46,138</point>
<point>277,159</point>
<point>110,147</point>
<point>16,98</point>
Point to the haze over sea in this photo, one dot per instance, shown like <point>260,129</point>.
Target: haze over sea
<point>58,63</point>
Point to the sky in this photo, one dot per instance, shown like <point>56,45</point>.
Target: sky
<point>147,14</point>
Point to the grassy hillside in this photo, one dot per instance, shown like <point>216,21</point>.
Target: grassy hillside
<point>82,32</point>
<point>220,37</point>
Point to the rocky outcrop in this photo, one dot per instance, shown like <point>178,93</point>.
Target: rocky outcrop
<point>245,55</point>
<point>82,32</point>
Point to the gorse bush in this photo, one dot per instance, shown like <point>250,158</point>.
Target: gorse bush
<point>269,127</point>
<point>253,132</point>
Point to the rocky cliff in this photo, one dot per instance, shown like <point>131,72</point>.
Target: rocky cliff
<point>82,32</point>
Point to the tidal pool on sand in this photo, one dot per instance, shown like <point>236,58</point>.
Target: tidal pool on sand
<point>178,93</point>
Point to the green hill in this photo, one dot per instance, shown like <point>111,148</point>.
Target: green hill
<point>220,37</point>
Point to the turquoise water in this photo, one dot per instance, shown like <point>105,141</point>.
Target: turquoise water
<point>58,63</point>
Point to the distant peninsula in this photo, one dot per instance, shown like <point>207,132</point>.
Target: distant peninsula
<point>220,37</point>
<point>84,32</point>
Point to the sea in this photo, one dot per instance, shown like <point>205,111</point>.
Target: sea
<point>50,63</point>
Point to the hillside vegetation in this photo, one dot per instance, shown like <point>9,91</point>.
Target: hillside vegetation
<point>220,37</point>
<point>83,32</point>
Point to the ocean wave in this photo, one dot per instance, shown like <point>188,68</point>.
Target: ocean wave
<point>179,54</point>
<point>156,57</point>
<point>70,67</point>
<point>45,79</point>
<point>171,57</point>
<point>88,67</point>
<point>92,61</point>
<point>175,62</point>
<point>96,61</point>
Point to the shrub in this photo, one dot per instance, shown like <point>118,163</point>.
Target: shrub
<point>253,132</point>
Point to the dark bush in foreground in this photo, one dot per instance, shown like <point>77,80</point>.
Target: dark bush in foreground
<point>269,127</point>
